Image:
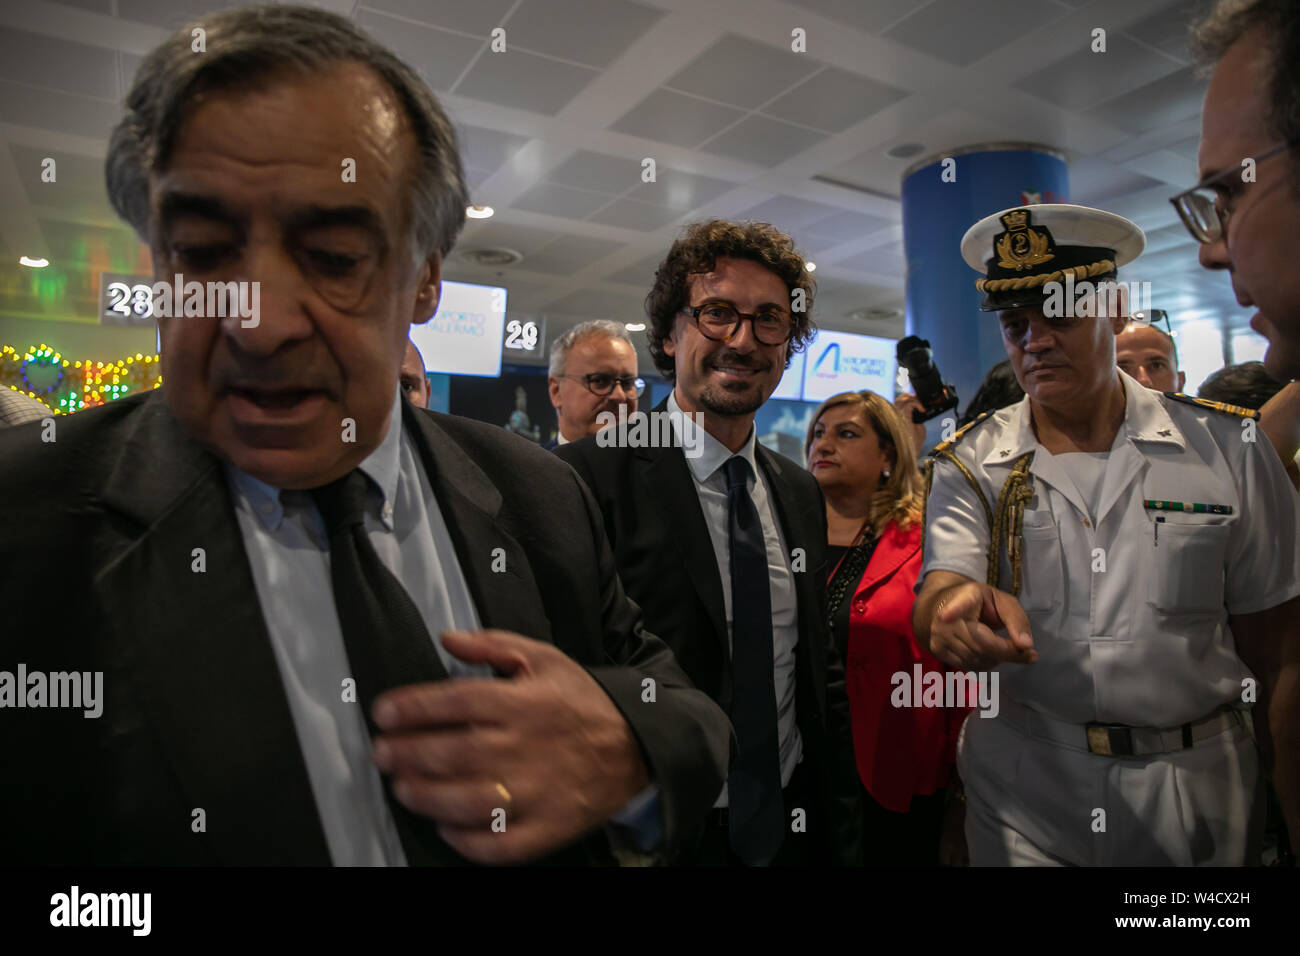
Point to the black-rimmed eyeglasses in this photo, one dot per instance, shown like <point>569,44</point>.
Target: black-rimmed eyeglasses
<point>601,384</point>
<point>720,320</point>
<point>1204,209</point>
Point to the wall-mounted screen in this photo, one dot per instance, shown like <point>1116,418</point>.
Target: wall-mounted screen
<point>845,362</point>
<point>464,335</point>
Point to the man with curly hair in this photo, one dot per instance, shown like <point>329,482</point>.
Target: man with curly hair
<point>725,550</point>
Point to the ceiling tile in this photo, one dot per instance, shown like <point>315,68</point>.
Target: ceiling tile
<point>1166,28</point>
<point>1084,79</point>
<point>1094,181</point>
<point>94,6</point>
<point>597,171</point>
<point>488,148</point>
<point>675,119</point>
<point>479,17</point>
<point>476,176</point>
<point>763,141</point>
<point>51,110</point>
<point>568,254</point>
<point>640,274</point>
<point>740,72</point>
<point>846,226</point>
<point>630,214</point>
<point>523,239</point>
<point>439,56</point>
<point>128,66</point>
<point>962,32</point>
<point>881,261</point>
<point>599,304</point>
<point>788,213</point>
<point>171,14</point>
<point>872,17</point>
<point>594,32</point>
<point>1166,101</point>
<point>680,190</point>
<point>1168,237</point>
<point>552,200</point>
<point>57,64</point>
<point>834,100</point>
<point>524,81</point>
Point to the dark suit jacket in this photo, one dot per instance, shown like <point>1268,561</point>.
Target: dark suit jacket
<point>666,560</point>
<point>97,574</point>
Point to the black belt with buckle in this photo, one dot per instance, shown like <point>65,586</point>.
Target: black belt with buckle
<point>1110,740</point>
<point>1116,740</point>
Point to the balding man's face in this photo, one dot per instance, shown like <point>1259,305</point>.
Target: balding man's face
<point>1148,356</point>
<point>255,191</point>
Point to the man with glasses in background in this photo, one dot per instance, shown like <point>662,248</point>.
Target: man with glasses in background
<point>725,551</point>
<point>593,370</point>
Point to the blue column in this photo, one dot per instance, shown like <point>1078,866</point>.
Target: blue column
<point>942,302</point>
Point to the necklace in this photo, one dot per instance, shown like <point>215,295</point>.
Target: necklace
<point>847,573</point>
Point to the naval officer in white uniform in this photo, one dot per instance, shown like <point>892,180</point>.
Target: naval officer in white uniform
<point>1144,593</point>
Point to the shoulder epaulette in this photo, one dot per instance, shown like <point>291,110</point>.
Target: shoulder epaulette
<point>950,443</point>
<point>1214,406</point>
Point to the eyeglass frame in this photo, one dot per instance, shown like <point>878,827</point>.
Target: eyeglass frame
<point>694,312</point>
<point>638,383</point>
<point>1180,202</point>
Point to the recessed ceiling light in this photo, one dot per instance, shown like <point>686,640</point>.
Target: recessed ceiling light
<point>904,150</point>
<point>810,266</point>
<point>634,326</point>
<point>33,263</point>
<point>479,212</point>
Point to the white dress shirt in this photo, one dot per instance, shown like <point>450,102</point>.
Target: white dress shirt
<point>711,487</point>
<point>1128,606</point>
<point>288,550</point>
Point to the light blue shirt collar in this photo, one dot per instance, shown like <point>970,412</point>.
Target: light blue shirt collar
<point>713,454</point>
<point>382,467</point>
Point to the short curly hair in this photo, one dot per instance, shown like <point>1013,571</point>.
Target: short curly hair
<point>697,252</point>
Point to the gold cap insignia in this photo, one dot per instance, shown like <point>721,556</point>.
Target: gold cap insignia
<point>1022,245</point>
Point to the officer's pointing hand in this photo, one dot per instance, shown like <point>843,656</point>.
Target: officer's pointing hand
<point>965,619</point>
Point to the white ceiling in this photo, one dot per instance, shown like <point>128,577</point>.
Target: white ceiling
<point>554,131</point>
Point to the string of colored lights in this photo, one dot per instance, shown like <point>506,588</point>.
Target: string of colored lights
<point>67,387</point>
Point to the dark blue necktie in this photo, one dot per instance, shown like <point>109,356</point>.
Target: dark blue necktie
<point>387,643</point>
<point>756,815</point>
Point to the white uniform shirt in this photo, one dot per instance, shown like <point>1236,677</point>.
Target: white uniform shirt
<point>711,487</point>
<point>1144,642</point>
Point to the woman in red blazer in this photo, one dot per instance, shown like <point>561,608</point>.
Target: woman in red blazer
<point>862,456</point>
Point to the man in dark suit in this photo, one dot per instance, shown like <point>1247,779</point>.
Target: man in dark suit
<point>276,561</point>
<point>722,544</point>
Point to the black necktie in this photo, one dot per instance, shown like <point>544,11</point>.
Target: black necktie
<point>756,815</point>
<point>386,640</point>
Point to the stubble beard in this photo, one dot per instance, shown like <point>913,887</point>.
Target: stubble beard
<point>721,402</point>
